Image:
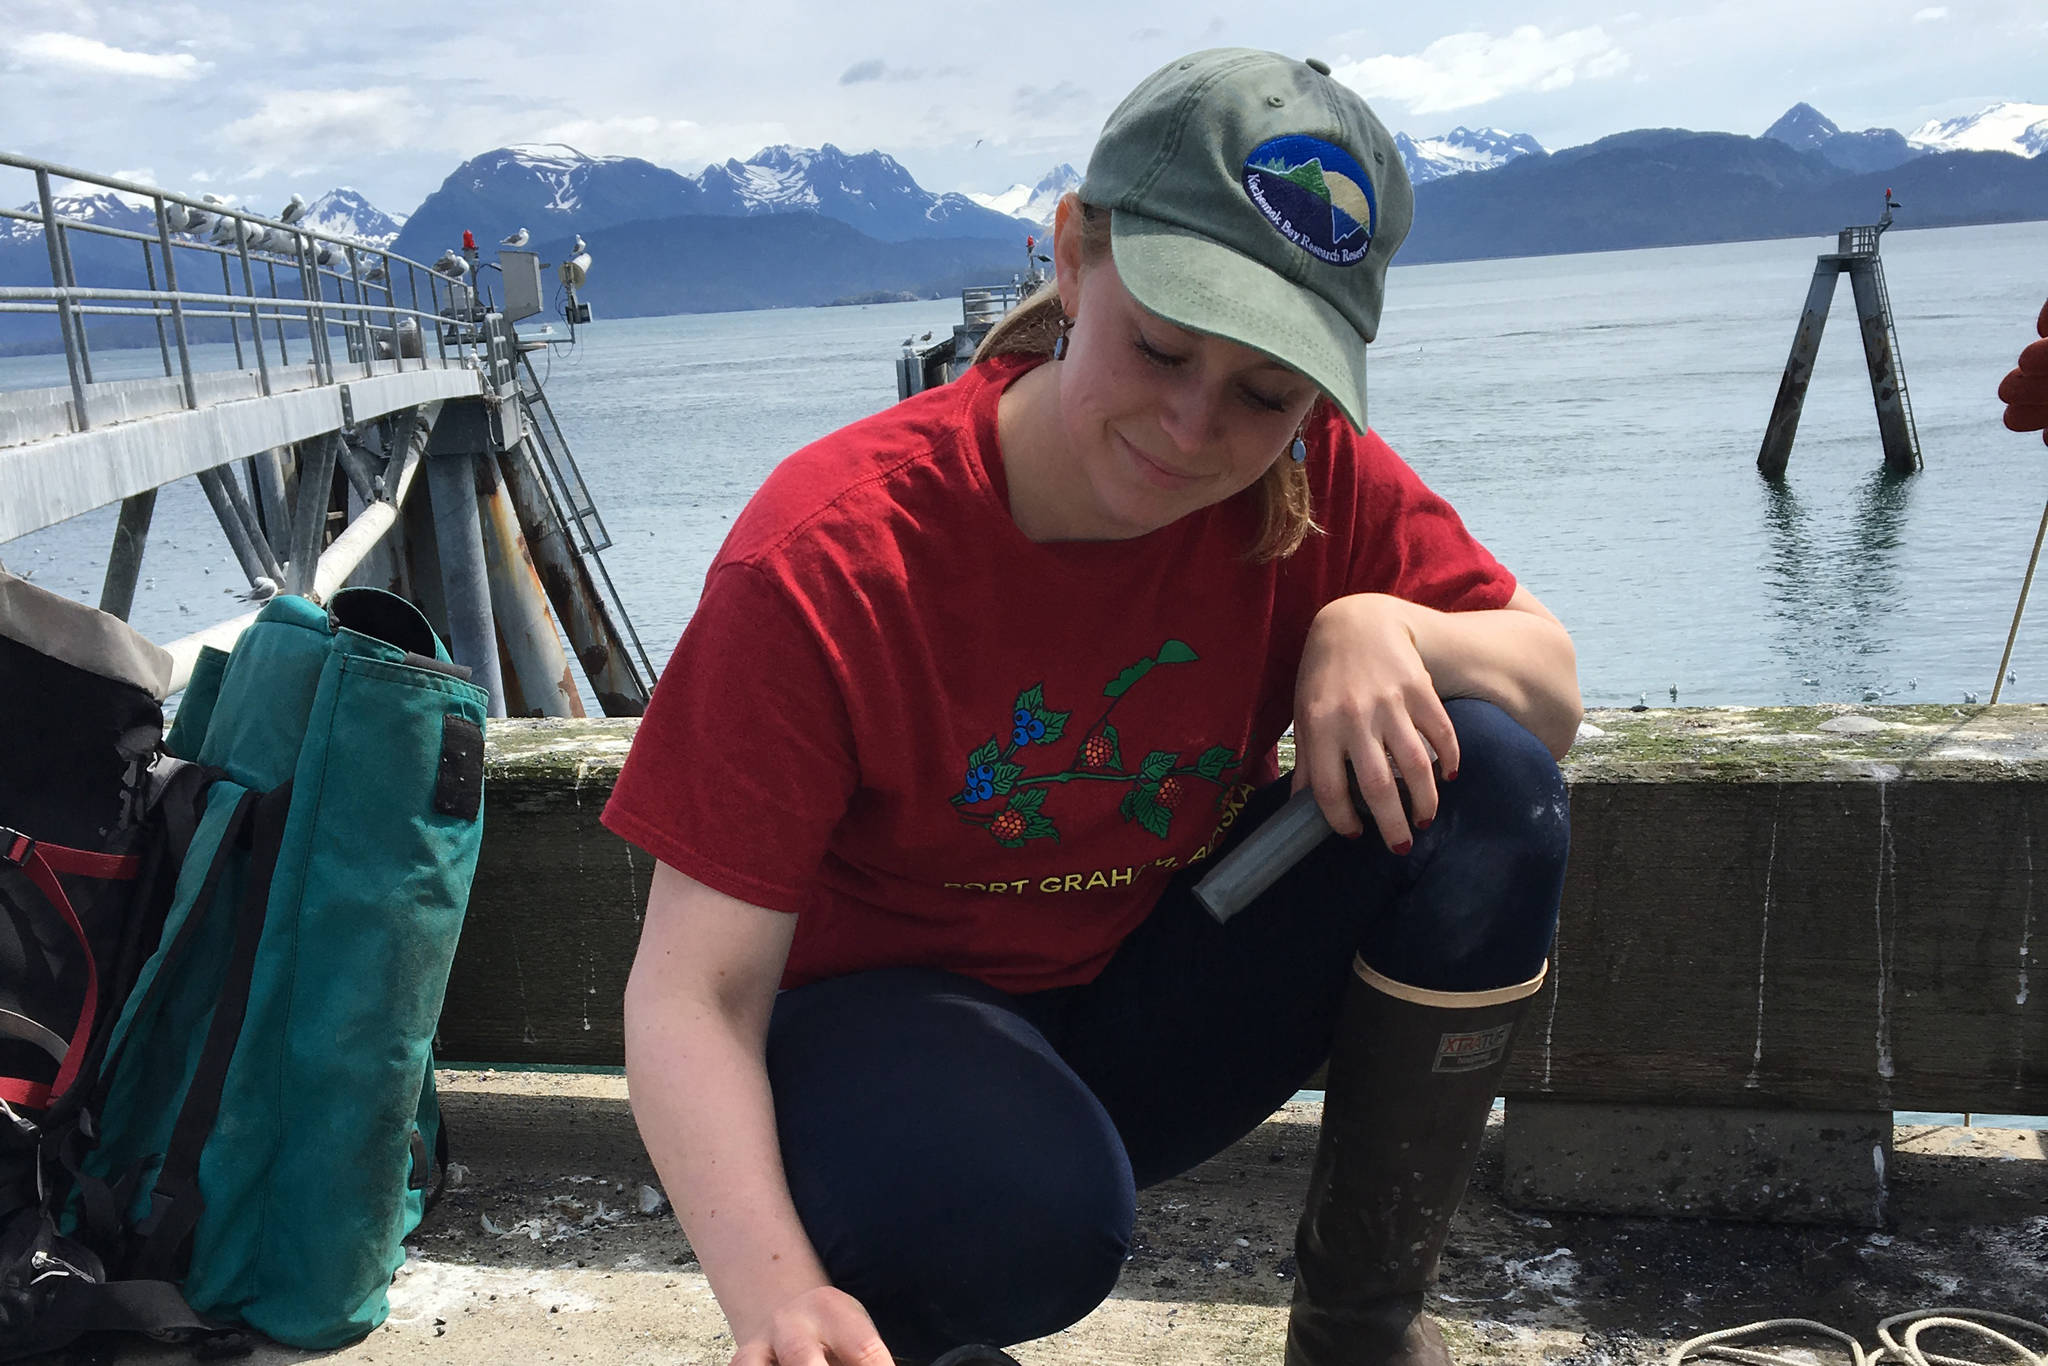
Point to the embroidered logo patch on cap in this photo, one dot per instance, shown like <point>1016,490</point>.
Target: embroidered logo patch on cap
<point>1315,194</point>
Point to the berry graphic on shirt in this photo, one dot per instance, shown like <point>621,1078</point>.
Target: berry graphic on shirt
<point>1153,791</point>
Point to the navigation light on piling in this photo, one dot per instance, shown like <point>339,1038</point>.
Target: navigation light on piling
<point>468,240</point>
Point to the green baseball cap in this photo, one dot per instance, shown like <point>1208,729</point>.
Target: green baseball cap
<point>1254,197</point>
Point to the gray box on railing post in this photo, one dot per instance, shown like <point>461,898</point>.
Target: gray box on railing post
<point>523,297</point>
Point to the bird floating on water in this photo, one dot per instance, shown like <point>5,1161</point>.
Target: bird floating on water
<point>517,239</point>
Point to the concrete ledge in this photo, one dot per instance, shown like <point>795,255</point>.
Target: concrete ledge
<point>1786,1166</point>
<point>1804,908</point>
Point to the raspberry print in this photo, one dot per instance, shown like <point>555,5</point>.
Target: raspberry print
<point>1098,751</point>
<point>1008,826</point>
<point>1170,793</point>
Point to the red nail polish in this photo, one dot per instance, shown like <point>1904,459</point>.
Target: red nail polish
<point>1404,846</point>
<point>1423,824</point>
<point>1452,776</point>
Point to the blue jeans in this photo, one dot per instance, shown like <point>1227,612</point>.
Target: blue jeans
<point>966,1161</point>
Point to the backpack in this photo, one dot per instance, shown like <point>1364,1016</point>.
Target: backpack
<point>92,821</point>
<point>261,1131</point>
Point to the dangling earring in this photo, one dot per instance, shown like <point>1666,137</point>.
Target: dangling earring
<point>1059,345</point>
<point>1298,452</point>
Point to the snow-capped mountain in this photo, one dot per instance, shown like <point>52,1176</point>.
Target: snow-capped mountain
<point>555,190</point>
<point>106,208</point>
<point>1460,150</point>
<point>343,212</point>
<point>2006,127</point>
<point>1033,202</point>
<point>870,190</point>
<point>1806,129</point>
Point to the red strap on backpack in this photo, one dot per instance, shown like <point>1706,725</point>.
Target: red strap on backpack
<point>42,862</point>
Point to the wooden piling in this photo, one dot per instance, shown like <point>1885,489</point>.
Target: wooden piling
<point>1887,386</point>
<point>1784,424</point>
<point>1857,254</point>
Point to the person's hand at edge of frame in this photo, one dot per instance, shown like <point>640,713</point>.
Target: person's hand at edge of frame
<point>821,1327</point>
<point>1364,696</point>
<point>2024,390</point>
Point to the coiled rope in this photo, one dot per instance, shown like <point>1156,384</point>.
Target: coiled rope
<point>1901,1347</point>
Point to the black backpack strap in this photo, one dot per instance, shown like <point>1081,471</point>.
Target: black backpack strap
<point>176,1203</point>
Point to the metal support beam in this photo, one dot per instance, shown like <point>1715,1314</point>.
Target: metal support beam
<point>238,520</point>
<point>601,648</point>
<point>270,490</point>
<point>460,439</point>
<point>537,682</point>
<point>309,522</point>
<point>124,560</point>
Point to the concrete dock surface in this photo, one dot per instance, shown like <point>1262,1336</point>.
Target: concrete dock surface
<point>541,1252</point>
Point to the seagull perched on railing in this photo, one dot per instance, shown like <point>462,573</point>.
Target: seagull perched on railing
<point>578,249</point>
<point>292,212</point>
<point>517,239</point>
<point>175,217</point>
<point>281,240</point>
<point>451,265</point>
<point>376,275</point>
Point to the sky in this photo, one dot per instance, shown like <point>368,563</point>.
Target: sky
<point>257,100</point>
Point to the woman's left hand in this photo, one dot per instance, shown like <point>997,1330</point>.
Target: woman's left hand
<point>1364,696</point>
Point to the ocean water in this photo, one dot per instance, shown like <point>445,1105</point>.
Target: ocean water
<point>1595,419</point>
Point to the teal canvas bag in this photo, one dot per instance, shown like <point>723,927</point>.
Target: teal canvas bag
<point>268,1126</point>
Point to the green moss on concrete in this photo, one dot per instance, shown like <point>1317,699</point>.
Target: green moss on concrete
<point>1661,744</point>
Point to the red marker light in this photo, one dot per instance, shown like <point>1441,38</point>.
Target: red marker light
<point>468,240</point>
<point>1029,241</point>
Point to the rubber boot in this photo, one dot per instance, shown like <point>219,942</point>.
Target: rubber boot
<point>1412,1077</point>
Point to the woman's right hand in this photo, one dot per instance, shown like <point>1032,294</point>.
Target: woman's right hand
<point>821,1327</point>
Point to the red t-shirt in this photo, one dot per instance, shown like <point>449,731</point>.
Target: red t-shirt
<point>943,744</point>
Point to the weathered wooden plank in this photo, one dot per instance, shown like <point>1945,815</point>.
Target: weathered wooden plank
<point>1760,912</point>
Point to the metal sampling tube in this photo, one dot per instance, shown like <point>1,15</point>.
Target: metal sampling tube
<point>1287,835</point>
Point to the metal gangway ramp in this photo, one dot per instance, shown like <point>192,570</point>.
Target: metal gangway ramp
<point>354,370</point>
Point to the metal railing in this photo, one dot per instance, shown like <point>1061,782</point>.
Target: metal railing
<point>1858,241</point>
<point>294,264</point>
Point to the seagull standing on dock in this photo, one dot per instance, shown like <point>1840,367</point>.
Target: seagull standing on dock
<point>517,239</point>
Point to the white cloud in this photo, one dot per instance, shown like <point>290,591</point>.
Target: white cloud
<point>1464,69</point>
<point>1930,14</point>
<point>77,53</point>
<point>312,127</point>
